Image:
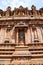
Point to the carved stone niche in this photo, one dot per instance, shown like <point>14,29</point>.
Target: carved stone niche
<point>34,29</point>
<point>41,11</point>
<point>34,12</point>
<point>8,11</point>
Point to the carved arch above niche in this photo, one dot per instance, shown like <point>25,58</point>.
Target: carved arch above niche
<point>21,24</point>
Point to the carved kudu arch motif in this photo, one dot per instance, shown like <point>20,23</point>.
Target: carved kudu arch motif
<point>17,26</point>
<point>21,24</point>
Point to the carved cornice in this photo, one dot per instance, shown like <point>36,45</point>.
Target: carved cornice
<point>21,18</point>
<point>21,11</point>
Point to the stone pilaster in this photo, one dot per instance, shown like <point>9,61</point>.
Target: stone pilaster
<point>26,36</point>
<point>32,35</point>
<point>17,37</point>
<point>29,35</point>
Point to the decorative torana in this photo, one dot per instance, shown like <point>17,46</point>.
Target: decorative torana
<point>21,36</point>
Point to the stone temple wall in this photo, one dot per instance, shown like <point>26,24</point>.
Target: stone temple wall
<point>21,36</point>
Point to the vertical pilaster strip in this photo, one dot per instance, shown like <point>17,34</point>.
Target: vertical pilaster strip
<point>29,35</point>
<point>26,36</point>
<point>2,34</point>
<point>42,33</point>
<point>17,37</point>
<point>32,35</point>
<point>5,33</point>
<point>41,30</point>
